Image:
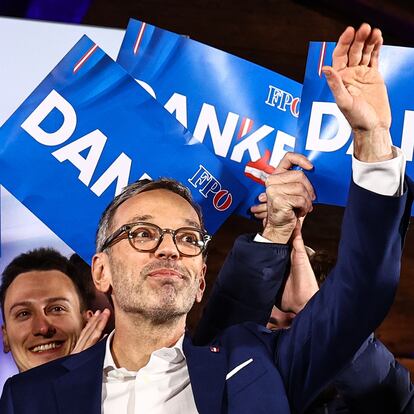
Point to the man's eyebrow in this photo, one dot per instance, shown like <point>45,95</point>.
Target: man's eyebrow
<point>142,217</point>
<point>193,223</point>
<point>29,303</point>
<point>58,299</point>
<point>22,303</point>
<point>145,217</point>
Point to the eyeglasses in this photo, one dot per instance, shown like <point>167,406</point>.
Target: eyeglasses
<point>146,237</point>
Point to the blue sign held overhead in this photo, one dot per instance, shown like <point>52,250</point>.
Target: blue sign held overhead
<point>242,112</point>
<point>324,134</point>
<point>87,131</point>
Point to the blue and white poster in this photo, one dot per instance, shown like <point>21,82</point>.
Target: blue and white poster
<point>324,135</point>
<point>242,112</point>
<point>87,131</point>
<point>28,42</point>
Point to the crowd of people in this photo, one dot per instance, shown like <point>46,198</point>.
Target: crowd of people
<point>277,335</point>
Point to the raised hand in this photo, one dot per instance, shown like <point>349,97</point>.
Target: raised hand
<point>360,92</point>
<point>92,332</point>
<point>289,195</point>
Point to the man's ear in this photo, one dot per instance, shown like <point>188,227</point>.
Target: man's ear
<point>87,315</point>
<point>101,273</point>
<point>202,284</point>
<point>6,346</point>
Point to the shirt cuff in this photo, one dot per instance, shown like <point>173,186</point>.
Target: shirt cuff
<point>259,238</point>
<point>384,177</point>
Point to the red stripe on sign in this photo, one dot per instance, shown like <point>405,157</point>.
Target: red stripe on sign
<point>249,128</point>
<point>240,134</point>
<point>245,127</point>
<point>87,55</point>
<point>321,58</point>
<point>139,38</point>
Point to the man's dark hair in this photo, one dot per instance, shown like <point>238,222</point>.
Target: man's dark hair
<point>43,259</point>
<point>322,263</point>
<point>85,277</point>
<point>141,186</point>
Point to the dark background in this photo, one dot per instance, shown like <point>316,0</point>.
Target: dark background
<point>275,34</point>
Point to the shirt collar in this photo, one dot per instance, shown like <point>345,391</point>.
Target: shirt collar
<point>172,355</point>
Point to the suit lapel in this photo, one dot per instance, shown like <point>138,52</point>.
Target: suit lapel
<point>207,366</point>
<point>79,390</point>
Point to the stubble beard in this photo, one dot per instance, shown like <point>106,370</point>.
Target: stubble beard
<point>159,305</point>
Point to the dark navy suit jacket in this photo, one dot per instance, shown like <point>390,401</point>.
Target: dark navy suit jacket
<point>373,382</point>
<point>279,368</point>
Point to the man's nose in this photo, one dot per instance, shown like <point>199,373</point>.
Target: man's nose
<point>167,248</point>
<point>42,326</point>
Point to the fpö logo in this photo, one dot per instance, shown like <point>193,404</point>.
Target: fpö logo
<point>209,186</point>
<point>283,100</point>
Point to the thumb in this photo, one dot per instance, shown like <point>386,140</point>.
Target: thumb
<point>297,240</point>
<point>342,97</point>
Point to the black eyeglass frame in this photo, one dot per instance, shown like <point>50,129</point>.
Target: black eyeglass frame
<point>125,232</point>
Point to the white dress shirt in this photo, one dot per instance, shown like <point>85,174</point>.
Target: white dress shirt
<point>162,386</point>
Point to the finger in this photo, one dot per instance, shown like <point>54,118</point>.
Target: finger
<point>295,188</point>
<point>301,204</point>
<point>374,40</point>
<point>342,97</point>
<point>291,159</point>
<point>377,47</point>
<point>96,334</point>
<point>92,337</point>
<point>92,331</point>
<point>259,209</point>
<point>260,216</point>
<point>366,54</point>
<point>357,47</point>
<point>86,332</point>
<point>303,189</point>
<point>340,53</point>
<point>297,232</point>
<point>297,239</point>
<point>287,178</point>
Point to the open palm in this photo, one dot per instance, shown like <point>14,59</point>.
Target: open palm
<point>360,92</point>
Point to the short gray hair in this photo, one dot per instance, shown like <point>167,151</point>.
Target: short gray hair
<point>141,186</point>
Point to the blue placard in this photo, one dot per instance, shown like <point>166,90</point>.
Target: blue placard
<point>242,112</point>
<point>87,131</point>
<point>324,135</point>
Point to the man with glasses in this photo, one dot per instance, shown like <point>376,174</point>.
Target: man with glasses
<point>151,248</point>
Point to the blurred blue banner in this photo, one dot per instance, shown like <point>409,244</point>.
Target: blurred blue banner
<point>87,131</point>
<point>242,112</point>
<point>324,135</point>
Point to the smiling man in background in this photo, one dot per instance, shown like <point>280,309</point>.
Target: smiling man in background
<point>45,308</point>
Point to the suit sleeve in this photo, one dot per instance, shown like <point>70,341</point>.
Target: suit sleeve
<point>245,288</point>
<point>374,382</point>
<point>352,302</point>
<point>6,401</point>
